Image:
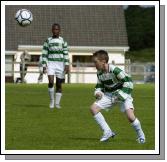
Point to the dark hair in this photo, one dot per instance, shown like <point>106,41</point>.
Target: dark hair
<point>101,55</point>
<point>56,24</point>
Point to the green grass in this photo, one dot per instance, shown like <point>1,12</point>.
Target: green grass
<point>30,125</point>
<point>144,55</point>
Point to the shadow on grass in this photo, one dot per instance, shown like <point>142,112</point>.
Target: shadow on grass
<point>27,105</point>
<point>84,138</point>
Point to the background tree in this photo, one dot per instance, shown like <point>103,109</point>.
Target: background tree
<point>140,24</point>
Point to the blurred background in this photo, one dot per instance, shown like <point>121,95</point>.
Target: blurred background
<point>126,32</point>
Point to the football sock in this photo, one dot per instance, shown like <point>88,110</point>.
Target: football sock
<point>51,93</point>
<point>58,98</point>
<point>101,121</point>
<point>137,126</point>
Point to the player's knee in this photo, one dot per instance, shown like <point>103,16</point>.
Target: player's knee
<point>94,109</point>
<point>50,85</point>
<point>130,115</point>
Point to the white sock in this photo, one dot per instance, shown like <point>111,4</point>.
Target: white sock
<point>101,121</point>
<point>137,126</point>
<point>58,98</point>
<point>51,93</point>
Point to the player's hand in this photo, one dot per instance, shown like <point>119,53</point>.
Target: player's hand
<point>44,70</point>
<point>99,95</point>
<point>66,69</point>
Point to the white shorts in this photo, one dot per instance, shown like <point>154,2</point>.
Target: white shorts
<point>56,68</point>
<point>105,102</point>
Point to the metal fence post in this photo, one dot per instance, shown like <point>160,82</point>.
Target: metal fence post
<point>68,77</point>
<point>23,68</point>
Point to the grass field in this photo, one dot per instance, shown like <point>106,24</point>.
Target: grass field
<point>30,125</point>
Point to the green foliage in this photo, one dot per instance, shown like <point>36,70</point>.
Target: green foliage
<point>145,55</point>
<point>140,24</point>
<point>30,125</point>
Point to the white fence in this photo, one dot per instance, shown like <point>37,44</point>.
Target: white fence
<point>82,72</point>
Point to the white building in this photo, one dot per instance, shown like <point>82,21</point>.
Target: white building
<point>78,73</point>
<point>85,28</point>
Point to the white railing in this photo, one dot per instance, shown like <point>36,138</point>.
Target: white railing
<point>140,73</point>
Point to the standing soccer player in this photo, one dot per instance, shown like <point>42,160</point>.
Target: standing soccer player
<point>113,85</point>
<point>55,60</point>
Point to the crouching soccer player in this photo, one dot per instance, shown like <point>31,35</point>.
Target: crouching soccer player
<point>55,58</point>
<point>113,85</point>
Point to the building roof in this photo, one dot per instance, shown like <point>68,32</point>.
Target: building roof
<point>81,25</point>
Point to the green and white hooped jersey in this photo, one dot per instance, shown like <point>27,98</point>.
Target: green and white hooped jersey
<point>108,80</point>
<point>55,50</point>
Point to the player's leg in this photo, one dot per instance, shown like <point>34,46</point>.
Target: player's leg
<point>40,78</point>
<point>21,73</point>
<point>51,90</point>
<point>58,93</point>
<point>25,72</point>
<point>99,118</point>
<point>129,111</point>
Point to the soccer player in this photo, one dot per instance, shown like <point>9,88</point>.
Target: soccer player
<point>56,60</point>
<point>113,86</point>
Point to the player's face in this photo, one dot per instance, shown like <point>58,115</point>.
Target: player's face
<point>99,64</point>
<point>56,30</point>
